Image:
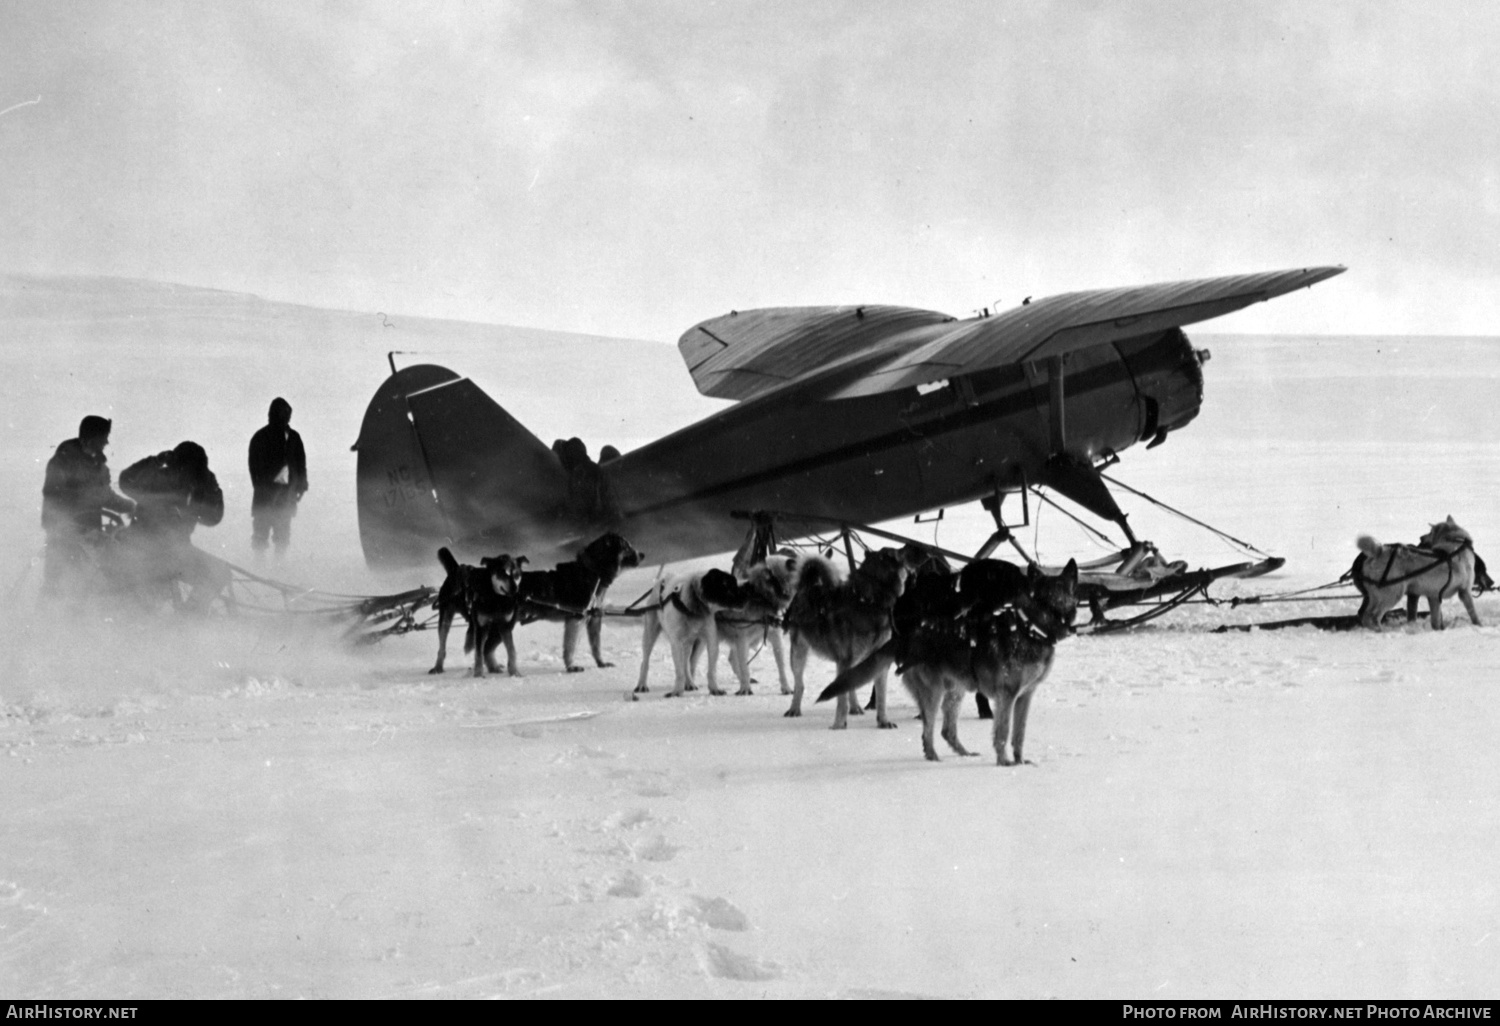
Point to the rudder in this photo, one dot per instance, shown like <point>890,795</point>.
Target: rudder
<point>440,463</point>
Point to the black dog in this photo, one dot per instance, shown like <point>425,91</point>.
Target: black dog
<point>1004,650</point>
<point>987,586</point>
<point>570,592</point>
<point>983,588</point>
<point>488,596</point>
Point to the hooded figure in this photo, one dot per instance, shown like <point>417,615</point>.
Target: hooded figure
<point>278,470</point>
<point>174,493</point>
<point>76,495</point>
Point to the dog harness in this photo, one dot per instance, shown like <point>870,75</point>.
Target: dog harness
<point>676,599</point>
<point>1438,559</point>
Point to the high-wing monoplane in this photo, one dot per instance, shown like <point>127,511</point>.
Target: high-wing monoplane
<point>851,413</point>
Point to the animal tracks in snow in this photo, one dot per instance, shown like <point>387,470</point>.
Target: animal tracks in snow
<point>656,850</point>
<point>720,914</point>
<point>667,920</point>
<point>731,965</point>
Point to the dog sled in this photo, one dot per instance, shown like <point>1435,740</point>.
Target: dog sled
<point>359,619</point>
<point>137,575</point>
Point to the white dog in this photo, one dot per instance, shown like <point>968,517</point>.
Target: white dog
<point>685,610</point>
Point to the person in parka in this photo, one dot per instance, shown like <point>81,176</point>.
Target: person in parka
<point>278,471</point>
<point>174,493</point>
<point>76,497</point>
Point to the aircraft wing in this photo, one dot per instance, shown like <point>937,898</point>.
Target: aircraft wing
<point>747,354</point>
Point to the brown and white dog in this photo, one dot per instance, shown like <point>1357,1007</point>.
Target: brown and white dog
<point>685,611</point>
<point>488,597</point>
<point>769,588</point>
<point>699,610</point>
<point>1442,566</point>
<point>571,591</point>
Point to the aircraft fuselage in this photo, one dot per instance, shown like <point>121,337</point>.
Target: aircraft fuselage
<point>895,454</point>
<point>441,464</point>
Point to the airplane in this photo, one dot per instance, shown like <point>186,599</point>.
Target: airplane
<point>857,414</point>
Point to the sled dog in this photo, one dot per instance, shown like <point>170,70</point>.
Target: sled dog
<point>1443,565</point>
<point>991,585</point>
<point>1435,532</point>
<point>488,597</point>
<point>684,610</point>
<point>698,611</point>
<point>845,620</point>
<point>1482,580</point>
<point>1003,654</point>
<point>768,588</point>
<point>571,590</point>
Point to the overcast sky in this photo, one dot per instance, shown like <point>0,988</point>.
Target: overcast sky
<point>630,168</point>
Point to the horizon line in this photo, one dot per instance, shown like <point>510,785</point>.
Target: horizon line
<point>160,283</point>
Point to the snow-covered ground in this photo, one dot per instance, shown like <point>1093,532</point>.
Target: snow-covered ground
<point>247,809</point>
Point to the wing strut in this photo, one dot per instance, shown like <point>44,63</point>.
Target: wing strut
<point>1056,415</point>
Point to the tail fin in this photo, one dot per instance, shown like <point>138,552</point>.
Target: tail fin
<point>441,463</point>
<point>863,672</point>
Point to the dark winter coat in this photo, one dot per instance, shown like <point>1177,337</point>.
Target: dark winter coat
<point>76,491</point>
<point>174,491</point>
<point>275,449</point>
